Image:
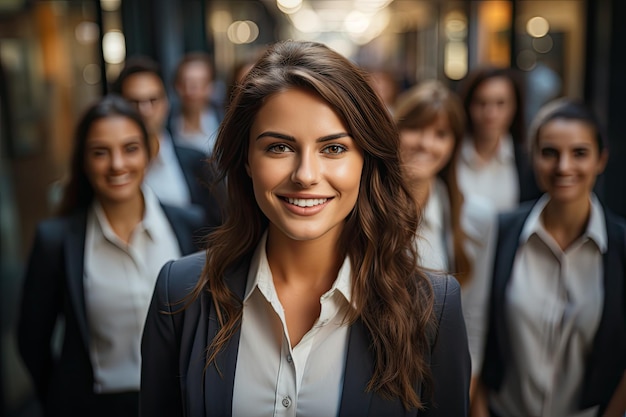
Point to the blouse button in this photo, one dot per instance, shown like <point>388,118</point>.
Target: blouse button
<point>289,358</point>
<point>286,402</point>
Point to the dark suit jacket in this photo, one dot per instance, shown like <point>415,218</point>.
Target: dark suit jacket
<point>175,383</point>
<point>607,360</point>
<point>200,178</point>
<point>528,188</point>
<point>53,289</point>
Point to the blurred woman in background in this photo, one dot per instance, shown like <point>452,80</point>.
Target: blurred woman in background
<point>93,268</point>
<point>457,233</point>
<point>557,328</point>
<point>493,161</point>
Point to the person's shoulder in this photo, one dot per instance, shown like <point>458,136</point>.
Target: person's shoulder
<point>179,277</point>
<point>191,215</point>
<point>59,226</point>
<point>443,285</point>
<point>189,153</point>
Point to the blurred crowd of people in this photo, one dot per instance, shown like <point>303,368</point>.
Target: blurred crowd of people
<point>505,206</point>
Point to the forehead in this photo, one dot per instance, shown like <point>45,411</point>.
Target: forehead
<point>195,69</point>
<point>297,109</point>
<point>142,84</point>
<point>500,86</point>
<point>113,128</point>
<point>567,132</point>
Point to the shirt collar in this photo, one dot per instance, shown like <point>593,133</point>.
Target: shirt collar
<point>150,223</point>
<point>504,154</point>
<point>260,276</point>
<point>434,209</point>
<point>596,227</point>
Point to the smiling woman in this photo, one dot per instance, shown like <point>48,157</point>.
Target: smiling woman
<point>94,267</point>
<point>309,300</point>
<point>556,337</point>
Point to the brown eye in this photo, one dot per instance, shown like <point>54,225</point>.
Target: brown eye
<point>334,149</point>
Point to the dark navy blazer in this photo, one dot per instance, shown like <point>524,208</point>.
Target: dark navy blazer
<point>174,381</point>
<point>607,360</point>
<point>203,190</point>
<point>53,289</point>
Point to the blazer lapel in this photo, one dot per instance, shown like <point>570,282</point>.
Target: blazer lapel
<point>602,372</point>
<point>219,385</point>
<point>355,398</point>
<point>74,262</point>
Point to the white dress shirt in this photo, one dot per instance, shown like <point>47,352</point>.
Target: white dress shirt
<point>436,251</point>
<point>271,378</point>
<point>495,180</point>
<point>553,308</point>
<point>204,140</point>
<point>119,280</point>
<point>165,176</point>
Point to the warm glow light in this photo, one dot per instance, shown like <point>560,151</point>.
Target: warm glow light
<point>110,5</point>
<point>537,27</point>
<point>455,61</point>
<point>455,26</point>
<point>91,74</point>
<point>114,47</point>
<point>371,5</point>
<point>245,31</point>
<point>356,22</point>
<point>289,6</point>
<point>306,20</point>
<point>86,32</point>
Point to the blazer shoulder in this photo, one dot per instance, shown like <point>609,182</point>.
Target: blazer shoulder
<point>191,216</point>
<point>446,292</point>
<point>178,278</point>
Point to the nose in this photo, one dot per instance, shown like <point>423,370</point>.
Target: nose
<point>307,170</point>
<point>564,163</point>
<point>117,161</point>
<point>144,107</point>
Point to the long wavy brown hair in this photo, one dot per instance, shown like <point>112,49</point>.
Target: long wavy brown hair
<point>392,297</point>
<point>418,108</point>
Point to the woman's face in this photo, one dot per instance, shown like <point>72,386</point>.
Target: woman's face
<point>425,151</point>
<point>115,159</point>
<point>493,107</point>
<point>305,166</point>
<point>567,160</point>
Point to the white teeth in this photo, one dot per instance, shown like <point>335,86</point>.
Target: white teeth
<point>306,202</point>
<point>119,179</point>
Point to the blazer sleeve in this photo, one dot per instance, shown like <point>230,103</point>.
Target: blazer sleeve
<point>450,359</point>
<point>160,393</point>
<point>41,302</point>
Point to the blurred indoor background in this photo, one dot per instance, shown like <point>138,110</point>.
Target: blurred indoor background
<point>58,56</point>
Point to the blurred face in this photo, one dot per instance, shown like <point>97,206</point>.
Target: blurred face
<point>493,107</point>
<point>567,160</point>
<point>146,91</point>
<point>115,159</point>
<point>194,85</point>
<point>305,167</point>
<point>424,152</point>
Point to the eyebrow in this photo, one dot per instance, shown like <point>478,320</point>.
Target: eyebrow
<point>293,139</point>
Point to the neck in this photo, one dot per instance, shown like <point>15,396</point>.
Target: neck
<point>486,145</point>
<point>124,217</point>
<point>311,265</point>
<point>566,222</point>
<point>192,119</point>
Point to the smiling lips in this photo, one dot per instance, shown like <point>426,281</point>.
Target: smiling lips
<point>306,202</point>
<point>118,179</point>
